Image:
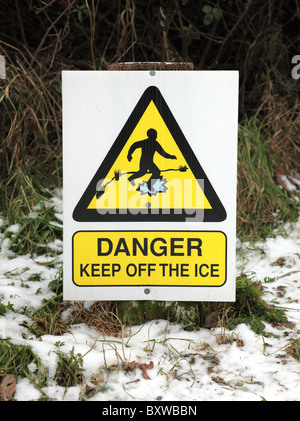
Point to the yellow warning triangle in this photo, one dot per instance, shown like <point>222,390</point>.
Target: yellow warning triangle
<point>150,173</point>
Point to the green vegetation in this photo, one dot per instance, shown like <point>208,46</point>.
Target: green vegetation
<point>250,308</point>
<point>15,359</point>
<point>294,348</point>
<point>138,312</point>
<point>69,369</point>
<point>262,202</point>
<point>35,232</point>
<point>47,320</point>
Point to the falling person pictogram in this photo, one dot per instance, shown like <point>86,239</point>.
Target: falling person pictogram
<point>148,148</point>
<point>156,183</point>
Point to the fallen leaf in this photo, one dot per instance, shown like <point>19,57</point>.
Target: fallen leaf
<point>145,375</point>
<point>129,366</point>
<point>88,388</point>
<point>130,363</point>
<point>145,367</point>
<point>7,387</point>
<point>290,325</point>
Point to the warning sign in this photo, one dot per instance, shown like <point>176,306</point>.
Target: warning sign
<point>149,258</point>
<point>150,173</point>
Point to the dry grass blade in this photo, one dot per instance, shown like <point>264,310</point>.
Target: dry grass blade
<point>100,316</point>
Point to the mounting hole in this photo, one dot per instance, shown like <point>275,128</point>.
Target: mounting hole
<point>152,72</point>
<point>147,291</point>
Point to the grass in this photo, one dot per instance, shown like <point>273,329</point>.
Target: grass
<point>25,202</point>
<point>15,359</point>
<point>294,348</point>
<point>249,308</point>
<point>262,203</point>
<point>31,148</point>
<point>35,233</point>
<point>47,321</point>
<point>69,369</point>
<point>18,360</point>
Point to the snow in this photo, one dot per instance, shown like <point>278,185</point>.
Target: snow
<point>290,182</point>
<point>204,365</point>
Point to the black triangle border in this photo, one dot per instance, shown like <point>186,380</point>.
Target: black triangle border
<point>216,214</point>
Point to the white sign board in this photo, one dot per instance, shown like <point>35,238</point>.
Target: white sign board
<point>150,164</point>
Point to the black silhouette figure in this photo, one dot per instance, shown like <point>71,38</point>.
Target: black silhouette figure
<point>149,147</point>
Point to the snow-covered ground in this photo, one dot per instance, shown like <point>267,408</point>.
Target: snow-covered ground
<point>160,361</point>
